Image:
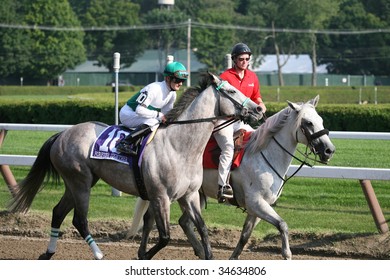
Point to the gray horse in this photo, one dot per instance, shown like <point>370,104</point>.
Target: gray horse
<point>171,165</point>
<point>259,180</point>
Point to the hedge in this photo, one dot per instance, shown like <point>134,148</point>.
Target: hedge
<point>54,90</point>
<point>345,117</point>
<point>349,117</point>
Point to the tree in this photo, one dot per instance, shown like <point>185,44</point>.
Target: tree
<point>211,44</point>
<point>52,51</point>
<point>146,5</point>
<point>359,53</point>
<point>14,43</point>
<point>249,14</point>
<point>165,40</point>
<point>310,14</point>
<point>80,6</point>
<point>101,45</point>
<point>278,43</point>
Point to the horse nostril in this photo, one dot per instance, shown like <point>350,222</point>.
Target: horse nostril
<point>258,109</point>
<point>329,152</point>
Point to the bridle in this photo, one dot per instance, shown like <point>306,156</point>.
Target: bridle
<point>244,114</point>
<point>310,137</point>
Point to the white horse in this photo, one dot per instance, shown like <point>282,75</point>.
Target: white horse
<point>259,180</point>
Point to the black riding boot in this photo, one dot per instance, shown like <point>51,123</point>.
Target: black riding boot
<point>129,145</point>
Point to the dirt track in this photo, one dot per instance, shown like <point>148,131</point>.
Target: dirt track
<point>25,237</point>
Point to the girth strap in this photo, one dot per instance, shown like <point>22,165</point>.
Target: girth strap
<point>138,175</point>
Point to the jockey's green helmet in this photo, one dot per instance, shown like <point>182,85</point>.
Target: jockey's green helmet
<point>176,69</point>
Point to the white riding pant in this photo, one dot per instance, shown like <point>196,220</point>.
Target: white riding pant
<point>131,119</point>
<point>224,138</point>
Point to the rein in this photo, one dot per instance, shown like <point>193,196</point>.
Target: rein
<point>303,162</point>
<point>201,120</point>
<point>231,118</point>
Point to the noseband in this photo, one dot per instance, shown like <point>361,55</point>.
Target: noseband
<point>312,136</point>
<point>244,110</point>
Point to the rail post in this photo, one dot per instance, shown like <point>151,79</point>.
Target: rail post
<point>116,66</point>
<point>375,208</point>
<point>6,171</point>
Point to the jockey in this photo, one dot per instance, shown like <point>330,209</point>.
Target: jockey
<point>147,108</point>
<point>247,82</point>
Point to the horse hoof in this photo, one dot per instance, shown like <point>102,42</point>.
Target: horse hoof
<point>45,256</point>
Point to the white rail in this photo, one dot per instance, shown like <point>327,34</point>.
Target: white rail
<point>314,172</point>
<point>335,172</point>
<point>340,172</point>
<point>37,127</point>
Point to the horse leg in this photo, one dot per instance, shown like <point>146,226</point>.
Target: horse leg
<point>80,222</point>
<point>249,225</point>
<point>60,211</point>
<point>146,229</point>
<point>79,183</point>
<point>188,227</point>
<point>161,210</point>
<point>191,206</point>
<point>267,213</point>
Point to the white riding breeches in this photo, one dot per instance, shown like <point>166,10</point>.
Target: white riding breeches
<point>224,138</point>
<point>131,119</point>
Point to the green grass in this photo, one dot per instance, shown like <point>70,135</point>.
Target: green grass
<point>307,205</point>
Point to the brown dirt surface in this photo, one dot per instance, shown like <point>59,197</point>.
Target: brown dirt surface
<point>25,237</point>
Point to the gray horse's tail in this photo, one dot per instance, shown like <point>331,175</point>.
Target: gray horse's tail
<point>33,183</point>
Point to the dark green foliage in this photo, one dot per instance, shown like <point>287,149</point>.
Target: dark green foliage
<point>374,118</point>
<point>38,90</point>
<point>348,117</point>
<point>338,106</point>
<point>57,113</point>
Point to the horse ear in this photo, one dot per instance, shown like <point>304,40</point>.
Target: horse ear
<point>214,78</point>
<point>314,101</point>
<point>293,106</point>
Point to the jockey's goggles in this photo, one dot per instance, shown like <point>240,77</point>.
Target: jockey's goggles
<point>180,74</point>
<point>178,81</point>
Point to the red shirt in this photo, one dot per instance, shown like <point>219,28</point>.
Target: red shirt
<point>249,85</point>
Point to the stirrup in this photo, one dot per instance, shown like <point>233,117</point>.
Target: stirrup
<point>126,148</point>
<point>224,192</point>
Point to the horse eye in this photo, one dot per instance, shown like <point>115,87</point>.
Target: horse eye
<point>309,123</point>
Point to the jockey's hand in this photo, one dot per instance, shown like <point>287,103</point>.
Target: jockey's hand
<point>263,108</point>
<point>162,118</point>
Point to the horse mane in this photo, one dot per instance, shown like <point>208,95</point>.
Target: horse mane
<point>187,97</point>
<point>264,133</point>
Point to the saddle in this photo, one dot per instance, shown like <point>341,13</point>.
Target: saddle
<point>104,148</point>
<point>212,151</point>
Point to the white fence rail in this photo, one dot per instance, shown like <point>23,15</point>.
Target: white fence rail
<point>335,172</point>
<point>314,172</point>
